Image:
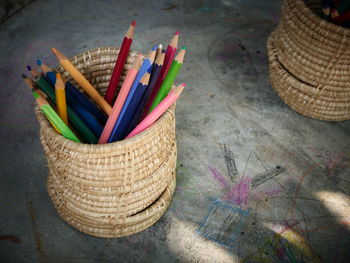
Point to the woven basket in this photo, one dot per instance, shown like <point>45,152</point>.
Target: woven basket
<point>310,62</point>
<point>116,189</point>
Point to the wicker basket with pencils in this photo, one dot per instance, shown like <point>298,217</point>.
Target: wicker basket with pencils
<point>310,62</point>
<point>115,189</point>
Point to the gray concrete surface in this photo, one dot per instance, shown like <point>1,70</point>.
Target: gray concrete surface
<point>228,112</point>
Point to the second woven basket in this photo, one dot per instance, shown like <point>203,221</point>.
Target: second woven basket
<point>116,189</point>
<point>310,62</point>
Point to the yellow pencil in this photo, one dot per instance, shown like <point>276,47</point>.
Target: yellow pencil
<point>82,81</point>
<point>61,98</point>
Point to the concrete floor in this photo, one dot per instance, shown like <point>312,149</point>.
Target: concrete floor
<point>228,112</point>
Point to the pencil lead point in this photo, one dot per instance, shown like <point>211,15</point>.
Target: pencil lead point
<point>154,47</point>
<point>133,23</point>
<point>177,33</point>
<point>38,61</point>
<point>24,76</point>
<point>29,68</point>
<point>184,48</point>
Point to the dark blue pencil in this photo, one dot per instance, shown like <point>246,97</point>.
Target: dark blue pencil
<point>124,120</point>
<point>72,91</point>
<point>140,112</point>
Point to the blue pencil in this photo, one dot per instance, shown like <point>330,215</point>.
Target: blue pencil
<point>147,63</point>
<point>140,114</point>
<point>130,109</point>
<point>72,91</point>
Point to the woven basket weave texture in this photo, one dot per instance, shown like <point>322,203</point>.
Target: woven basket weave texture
<point>309,62</point>
<point>115,189</point>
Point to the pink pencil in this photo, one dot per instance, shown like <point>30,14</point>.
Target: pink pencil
<point>159,110</point>
<point>169,57</point>
<point>124,91</point>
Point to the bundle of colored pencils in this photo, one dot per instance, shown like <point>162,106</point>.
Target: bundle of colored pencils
<point>337,12</point>
<point>146,93</point>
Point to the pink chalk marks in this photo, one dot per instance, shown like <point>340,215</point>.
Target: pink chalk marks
<point>219,178</point>
<point>241,192</point>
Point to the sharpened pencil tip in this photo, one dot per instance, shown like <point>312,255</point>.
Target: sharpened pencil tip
<point>38,61</point>
<point>133,23</point>
<point>154,47</point>
<point>183,84</point>
<point>160,46</point>
<point>29,68</point>
<point>177,33</point>
<point>24,76</point>
<point>184,48</point>
<point>54,50</point>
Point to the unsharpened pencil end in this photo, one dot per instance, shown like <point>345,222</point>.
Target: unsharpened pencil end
<point>177,33</point>
<point>154,48</point>
<point>29,68</point>
<point>24,76</point>
<point>160,46</point>
<point>133,23</point>
<point>38,61</point>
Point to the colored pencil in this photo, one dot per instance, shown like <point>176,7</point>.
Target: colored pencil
<point>170,78</point>
<point>30,84</point>
<point>51,115</point>
<point>120,128</point>
<point>60,93</point>
<point>326,11</point>
<point>340,20</point>
<point>74,119</point>
<point>169,57</point>
<point>170,52</point>
<point>74,93</point>
<point>159,50</point>
<point>169,100</point>
<point>123,93</point>
<point>119,65</point>
<point>140,112</point>
<point>343,6</point>
<point>82,81</point>
<point>35,74</point>
<point>42,84</point>
<point>147,63</point>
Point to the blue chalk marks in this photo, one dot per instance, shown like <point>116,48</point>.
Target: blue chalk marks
<point>223,223</point>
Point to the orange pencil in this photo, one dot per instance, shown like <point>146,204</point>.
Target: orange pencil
<point>82,81</point>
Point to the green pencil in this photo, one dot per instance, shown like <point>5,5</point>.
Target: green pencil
<point>53,117</point>
<point>75,120</point>
<point>169,79</point>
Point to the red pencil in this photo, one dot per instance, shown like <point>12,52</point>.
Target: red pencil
<point>169,57</point>
<point>118,68</point>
